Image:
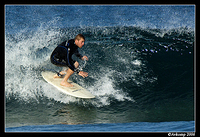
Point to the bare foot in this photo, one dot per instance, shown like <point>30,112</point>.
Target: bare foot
<point>66,84</point>
<point>56,76</point>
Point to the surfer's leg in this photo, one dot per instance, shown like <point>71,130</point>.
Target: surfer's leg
<point>62,73</point>
<point>64,81</point>
<point>76,64</point>
<point>69,73</point>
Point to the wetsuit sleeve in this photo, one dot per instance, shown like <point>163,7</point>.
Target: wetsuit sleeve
<point>78,54</point>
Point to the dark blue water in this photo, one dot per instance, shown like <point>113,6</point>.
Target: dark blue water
<point>141,68</point>
<point>181,126</point>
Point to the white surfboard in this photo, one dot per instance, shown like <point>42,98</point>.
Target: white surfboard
<point>76,90</point>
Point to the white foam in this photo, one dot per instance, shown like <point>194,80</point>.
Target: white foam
<point>104,90</point>
<point>23,79</point>
<point>136,62</point>
<point>22,57</point>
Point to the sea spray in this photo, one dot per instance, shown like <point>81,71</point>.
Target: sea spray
<point>140,63</point>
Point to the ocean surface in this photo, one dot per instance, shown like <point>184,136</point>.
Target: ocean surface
<point>141,68</point>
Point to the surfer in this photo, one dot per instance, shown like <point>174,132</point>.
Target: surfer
<point>62,56</point>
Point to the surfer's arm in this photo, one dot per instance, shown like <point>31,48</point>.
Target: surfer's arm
<point>78,54</point>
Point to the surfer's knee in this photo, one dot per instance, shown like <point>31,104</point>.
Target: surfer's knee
<point>76,64</point>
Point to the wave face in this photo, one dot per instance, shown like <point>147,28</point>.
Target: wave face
<point>141,68</point>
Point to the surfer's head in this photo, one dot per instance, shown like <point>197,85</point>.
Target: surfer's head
<point>79,40</point>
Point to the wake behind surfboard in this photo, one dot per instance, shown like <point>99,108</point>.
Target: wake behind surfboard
<point>76,91</point>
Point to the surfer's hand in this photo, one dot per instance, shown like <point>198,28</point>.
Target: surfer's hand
<point>84,57</point>
<point>83,74</point>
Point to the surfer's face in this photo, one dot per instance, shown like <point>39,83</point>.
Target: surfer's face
<point>80,43</point>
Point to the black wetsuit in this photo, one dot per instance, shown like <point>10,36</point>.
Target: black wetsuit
<point>62,55</point>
